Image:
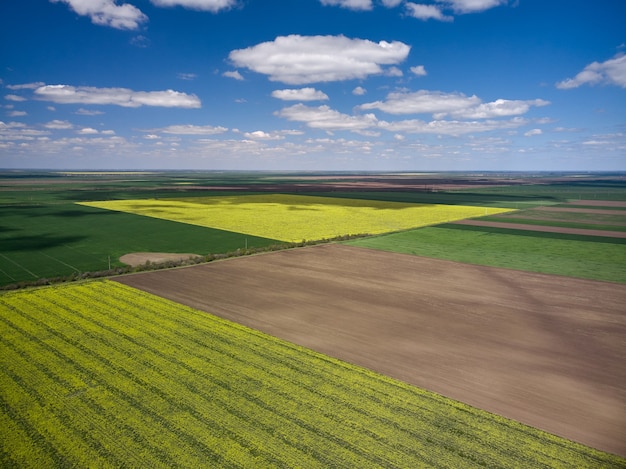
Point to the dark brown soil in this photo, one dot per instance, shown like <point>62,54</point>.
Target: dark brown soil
<point>545,350</point>
<point>544,228</point>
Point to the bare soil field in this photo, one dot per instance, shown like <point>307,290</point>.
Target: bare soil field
<point>600,203</point>
<point>545,228</point>
<point>548,351</point>
<point>589,210</point>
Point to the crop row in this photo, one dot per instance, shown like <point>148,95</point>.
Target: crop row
<point>99,374</point>
<point>293,218</point>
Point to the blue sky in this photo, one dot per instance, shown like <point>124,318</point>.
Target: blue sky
<point>371,85</point>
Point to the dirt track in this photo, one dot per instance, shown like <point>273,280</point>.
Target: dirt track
<point>545,350</point>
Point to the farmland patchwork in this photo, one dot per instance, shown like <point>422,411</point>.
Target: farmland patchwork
<point>293,218</point>
<point>102,375</point>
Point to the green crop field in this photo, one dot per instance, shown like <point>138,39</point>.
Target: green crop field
<point>45,233</point>
<point>49,240</point>
<point>590,257</point>
<point>98,374</point>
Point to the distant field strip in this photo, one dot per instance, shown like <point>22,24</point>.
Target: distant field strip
<point>101,375</point>
<point>293,218</point>
<point>591,257</point>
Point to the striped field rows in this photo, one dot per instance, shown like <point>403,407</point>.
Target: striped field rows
<point>100,375</point>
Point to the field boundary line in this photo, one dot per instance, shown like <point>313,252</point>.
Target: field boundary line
<point>7,274</point>
<point>61,262</point>
<point>19,265</point>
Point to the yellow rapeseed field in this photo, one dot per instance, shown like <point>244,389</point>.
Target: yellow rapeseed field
<point>293,218</point>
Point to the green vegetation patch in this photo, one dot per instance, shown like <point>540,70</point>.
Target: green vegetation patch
<point>38,241</point>
<point>101,375</point>
<point>591,257</point>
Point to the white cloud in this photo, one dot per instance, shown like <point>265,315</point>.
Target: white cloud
<point>14,97</point>
<point>234,74</point>
<point>612,71</point>
<point>17,113</point>
<point>325,118</point>
<point>350,4</point>
<point>532,132</point>
<point>472,6</point>
<point>359,91</point>
<point>67,94</point>
<point>58,125</point>
<point>187,76</point>
<point>423,102</point>
<point>453,128</point>
<point>108,13</point>
<point>456,105</point>
<point>205,5</point>
<point>426,12</point>
<point>140,41</point>
<point>26,86</point>
<point>391,3</point>
<point>393,72</point>
<point>499,108</point>
<point>419,70</point>
<point>302,94</point>
<point>261,135</point>
<point>88,112</point>
<point>191,130</point>
<point>297,60</point>
<point>87,131</point>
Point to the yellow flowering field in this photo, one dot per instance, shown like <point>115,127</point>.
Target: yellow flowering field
<point>99,374</point>
<point>293,218</point>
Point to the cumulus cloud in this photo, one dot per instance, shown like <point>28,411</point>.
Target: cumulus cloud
<point>359,91</point>
<point>456,105</point>
<point>423,102</point>
<point>426,12</point>
<point>204,5</point>
<point>261,135</point>
<point>298,60</point>
<point>302,94</point>
<point>451,127</point>
<point>330,120</point>
<point>499,108</point>
<point>58,125</point>
<point>14,97</point>
<point>419,70</point>
<point>26,86</point>
<point>472,6</point>
<point>325,118</point>
<point>108,13</point>
<point>67,94</point>
<point>391,3</point>
<point>88,112</point>
<point>191,130</point>
<point>350,4</point>
<point>532,132</point>
<point>233,74</point>
<point>612,72</point>
<point>87,131</point>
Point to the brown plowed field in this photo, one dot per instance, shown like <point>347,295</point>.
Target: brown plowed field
<point>544,228</point>
<point>545,350</point>
<point>590,210</point>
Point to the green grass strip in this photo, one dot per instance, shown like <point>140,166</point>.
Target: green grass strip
<point>98,374</point>
<point>590,257</point>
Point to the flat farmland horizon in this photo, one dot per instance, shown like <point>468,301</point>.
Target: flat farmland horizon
<point>544,350</point>
<point>293,218</point>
